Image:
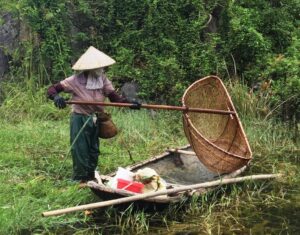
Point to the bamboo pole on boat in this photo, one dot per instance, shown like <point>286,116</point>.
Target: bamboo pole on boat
<point>155,106</point>
<point>158,193</point>
<point>181,151</point>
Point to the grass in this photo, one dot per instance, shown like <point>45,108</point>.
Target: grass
<point>35,168</point>
<point>35,165</point>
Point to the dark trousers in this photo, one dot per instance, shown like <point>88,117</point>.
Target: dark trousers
<point>85,149</point>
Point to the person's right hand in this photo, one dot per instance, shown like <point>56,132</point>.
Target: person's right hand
<point>135,105</point>
<point>59,102</point>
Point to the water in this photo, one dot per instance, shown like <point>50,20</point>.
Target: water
<point>268,207</point>
<point>281,220</point>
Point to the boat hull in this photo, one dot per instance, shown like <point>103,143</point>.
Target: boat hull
<point>177,169</point>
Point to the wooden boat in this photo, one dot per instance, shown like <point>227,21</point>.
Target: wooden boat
<point>177,167</point>
<point>218,140</point>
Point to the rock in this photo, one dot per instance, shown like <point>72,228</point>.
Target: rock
<point>3,63</point>
<point>130,91</point>
<point>9,31</point>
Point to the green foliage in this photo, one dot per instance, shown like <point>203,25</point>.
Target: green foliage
<point>157,44</point>
<point>247,43</point>
<point>44,48</point>
<point>28,101</point>
<point>263,41</point>
<point>163,45</point>
<point>284,71</point>
<point>49,19</point>
<point>247,103</point>
<point>35,166</point>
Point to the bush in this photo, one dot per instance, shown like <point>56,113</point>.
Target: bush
<point>164,45</point>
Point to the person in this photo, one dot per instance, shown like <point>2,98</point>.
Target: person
<point>89,84</point>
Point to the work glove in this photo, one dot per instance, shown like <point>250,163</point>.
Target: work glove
<point>135,105</point>
<point>59,102</point>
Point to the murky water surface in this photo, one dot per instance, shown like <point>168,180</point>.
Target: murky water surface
<point>281,220</point>
<point>278,212</point>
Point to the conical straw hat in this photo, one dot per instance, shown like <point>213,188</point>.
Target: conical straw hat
<point>93,59</point>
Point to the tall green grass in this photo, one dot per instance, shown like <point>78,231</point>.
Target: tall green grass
<point>35,165</point>
<point>35,172</point>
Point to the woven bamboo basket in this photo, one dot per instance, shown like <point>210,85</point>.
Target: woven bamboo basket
<point>219,141</point>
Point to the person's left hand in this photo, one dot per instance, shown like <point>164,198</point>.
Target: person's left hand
<point>59,102</point>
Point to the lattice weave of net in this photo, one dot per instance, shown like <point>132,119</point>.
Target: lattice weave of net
<point>219,141</point>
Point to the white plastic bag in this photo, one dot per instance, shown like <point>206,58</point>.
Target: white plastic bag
<point>122,173</point>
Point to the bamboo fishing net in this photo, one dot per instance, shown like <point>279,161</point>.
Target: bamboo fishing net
<point>218,140</point>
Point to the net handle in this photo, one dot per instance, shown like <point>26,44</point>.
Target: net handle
<point>155,106</point>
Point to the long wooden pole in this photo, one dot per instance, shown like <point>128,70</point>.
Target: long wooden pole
<point>155,106</point>
<point>158,193</point>
<point>181,151</point>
